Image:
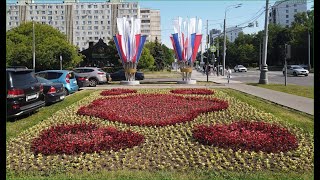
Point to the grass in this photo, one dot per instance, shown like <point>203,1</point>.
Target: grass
<point>304,121</point>
<point>162,175</point>
<point>304,91</point>
<point>299,119</point>
<point>13,128</point>
<point>162,74</point>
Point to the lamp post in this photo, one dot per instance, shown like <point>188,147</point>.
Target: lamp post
<point>264,67</point>
<point>224,34</point>
<point>33,44</point>
<point>33,47</point>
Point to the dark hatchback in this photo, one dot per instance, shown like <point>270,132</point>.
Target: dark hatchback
<point>24,92</point>
<point>82,80</point>
<point>120,76</point>
<point>53,92</point>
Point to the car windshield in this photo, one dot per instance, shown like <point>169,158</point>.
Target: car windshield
<point>240,66</point>
<point>100,70</point>
<point>297,67</point>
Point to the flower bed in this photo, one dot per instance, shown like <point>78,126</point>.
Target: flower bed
<point>152,109</point>
<point>83,137</point>
<point>192,91</point>
<point>117,91</point>
<point>252,136</point>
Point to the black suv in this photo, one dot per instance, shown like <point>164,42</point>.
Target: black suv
<point>24,92</point>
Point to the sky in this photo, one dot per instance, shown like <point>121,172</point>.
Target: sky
<point>211,10</point>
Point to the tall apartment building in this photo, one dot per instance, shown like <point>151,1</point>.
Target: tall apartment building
<point>82,22</point>
<point>150,24</point>
<point>282,12</point>
<point>233,32</point>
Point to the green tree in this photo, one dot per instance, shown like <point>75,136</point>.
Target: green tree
<point>50,44</point>
<point>146,60</point>
<point>168,56</point>
<point>112,54</point>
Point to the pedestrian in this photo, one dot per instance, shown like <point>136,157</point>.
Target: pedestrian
<point>228,74</point>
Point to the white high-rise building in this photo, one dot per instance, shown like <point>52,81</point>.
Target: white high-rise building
<point>82,22</point>
<point>150,24</point>
<point>233,33</point>
<point>282,12</point>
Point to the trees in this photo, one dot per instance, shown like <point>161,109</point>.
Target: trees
<point>49,44</point>
<point>146,60</point>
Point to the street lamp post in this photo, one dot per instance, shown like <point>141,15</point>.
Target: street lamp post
<point>33,47</point>
<point>225,36</point>
<point>264,67</point>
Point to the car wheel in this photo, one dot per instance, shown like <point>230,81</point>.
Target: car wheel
<point>66,92</point>
<point>92,82</point>
<point>306,75</point>
<point>295,74</point>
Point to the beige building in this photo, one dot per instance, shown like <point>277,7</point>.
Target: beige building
<point>150,24</point>
<point>83,22</point>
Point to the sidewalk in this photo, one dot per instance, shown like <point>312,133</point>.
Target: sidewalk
<point>292,101</point>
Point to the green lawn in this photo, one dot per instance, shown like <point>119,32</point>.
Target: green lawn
<point>305,91</point>
<point>162,74</point>
<point>301,120</point>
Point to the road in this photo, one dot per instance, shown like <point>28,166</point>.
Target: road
<point>274,77</point>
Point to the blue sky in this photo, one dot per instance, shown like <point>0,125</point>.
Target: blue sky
<point>206,10</point>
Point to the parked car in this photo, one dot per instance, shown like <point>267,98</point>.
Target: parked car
<point>53,92</point>
<point>120,75</point>
<point>295,70</point>
<point>66,77</point>
<point>24,92</point>
<point>82,80</point>
<point>95,75</point>
<point>240,68</point>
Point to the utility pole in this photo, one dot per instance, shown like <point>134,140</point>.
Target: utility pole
<point>218,58</point>
<point>260,55</point>
<point>309,63</point>
<point>224,44</point>
<point>60,62</point>
<point>264,68</point>
<point>207,39</point>
<point>285,64</point>
<point>33,48</point>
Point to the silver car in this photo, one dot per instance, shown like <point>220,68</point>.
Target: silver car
<point>240,68</point>
<point>295,70</point>
<point>95,75</point>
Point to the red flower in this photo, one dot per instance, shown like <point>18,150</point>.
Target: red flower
<point>253,136</point>
<point>152,109</point>
<point>73,139</point>
<point>117,91</point>
<point>192,91</point>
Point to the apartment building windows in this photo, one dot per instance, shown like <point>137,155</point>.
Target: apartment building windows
<point>96,27</point>
<point>102,6</point>
<point>83,22</point>
<point>96,22</point>
<point>95,17</point>
<point>30,12</point>
<point>89,17</point>
<point>88,11</point>
<point>89,6</point>
<point>287,21</point>
<point>89,22</point>
<point>96,32</point>
<point>55,12</point>
<point>96,38</point>
<point>90,27</point>
<point>287,6</point>
<point>295,10</point>
<point>43,17</point>
<point>101,22</point>
<point>294,5</point>
<point>108,22</point>
<point>43,12</point>
<point>81,6</point>
<point>89,33</point>
<point>287,11</point>
<point>95,6</point>
<point>287,16</point>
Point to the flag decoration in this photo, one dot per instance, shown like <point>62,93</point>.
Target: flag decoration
<point>186,40</point>
<point>129,43</point>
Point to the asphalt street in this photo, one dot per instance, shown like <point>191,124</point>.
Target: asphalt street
<point>275,77</point>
